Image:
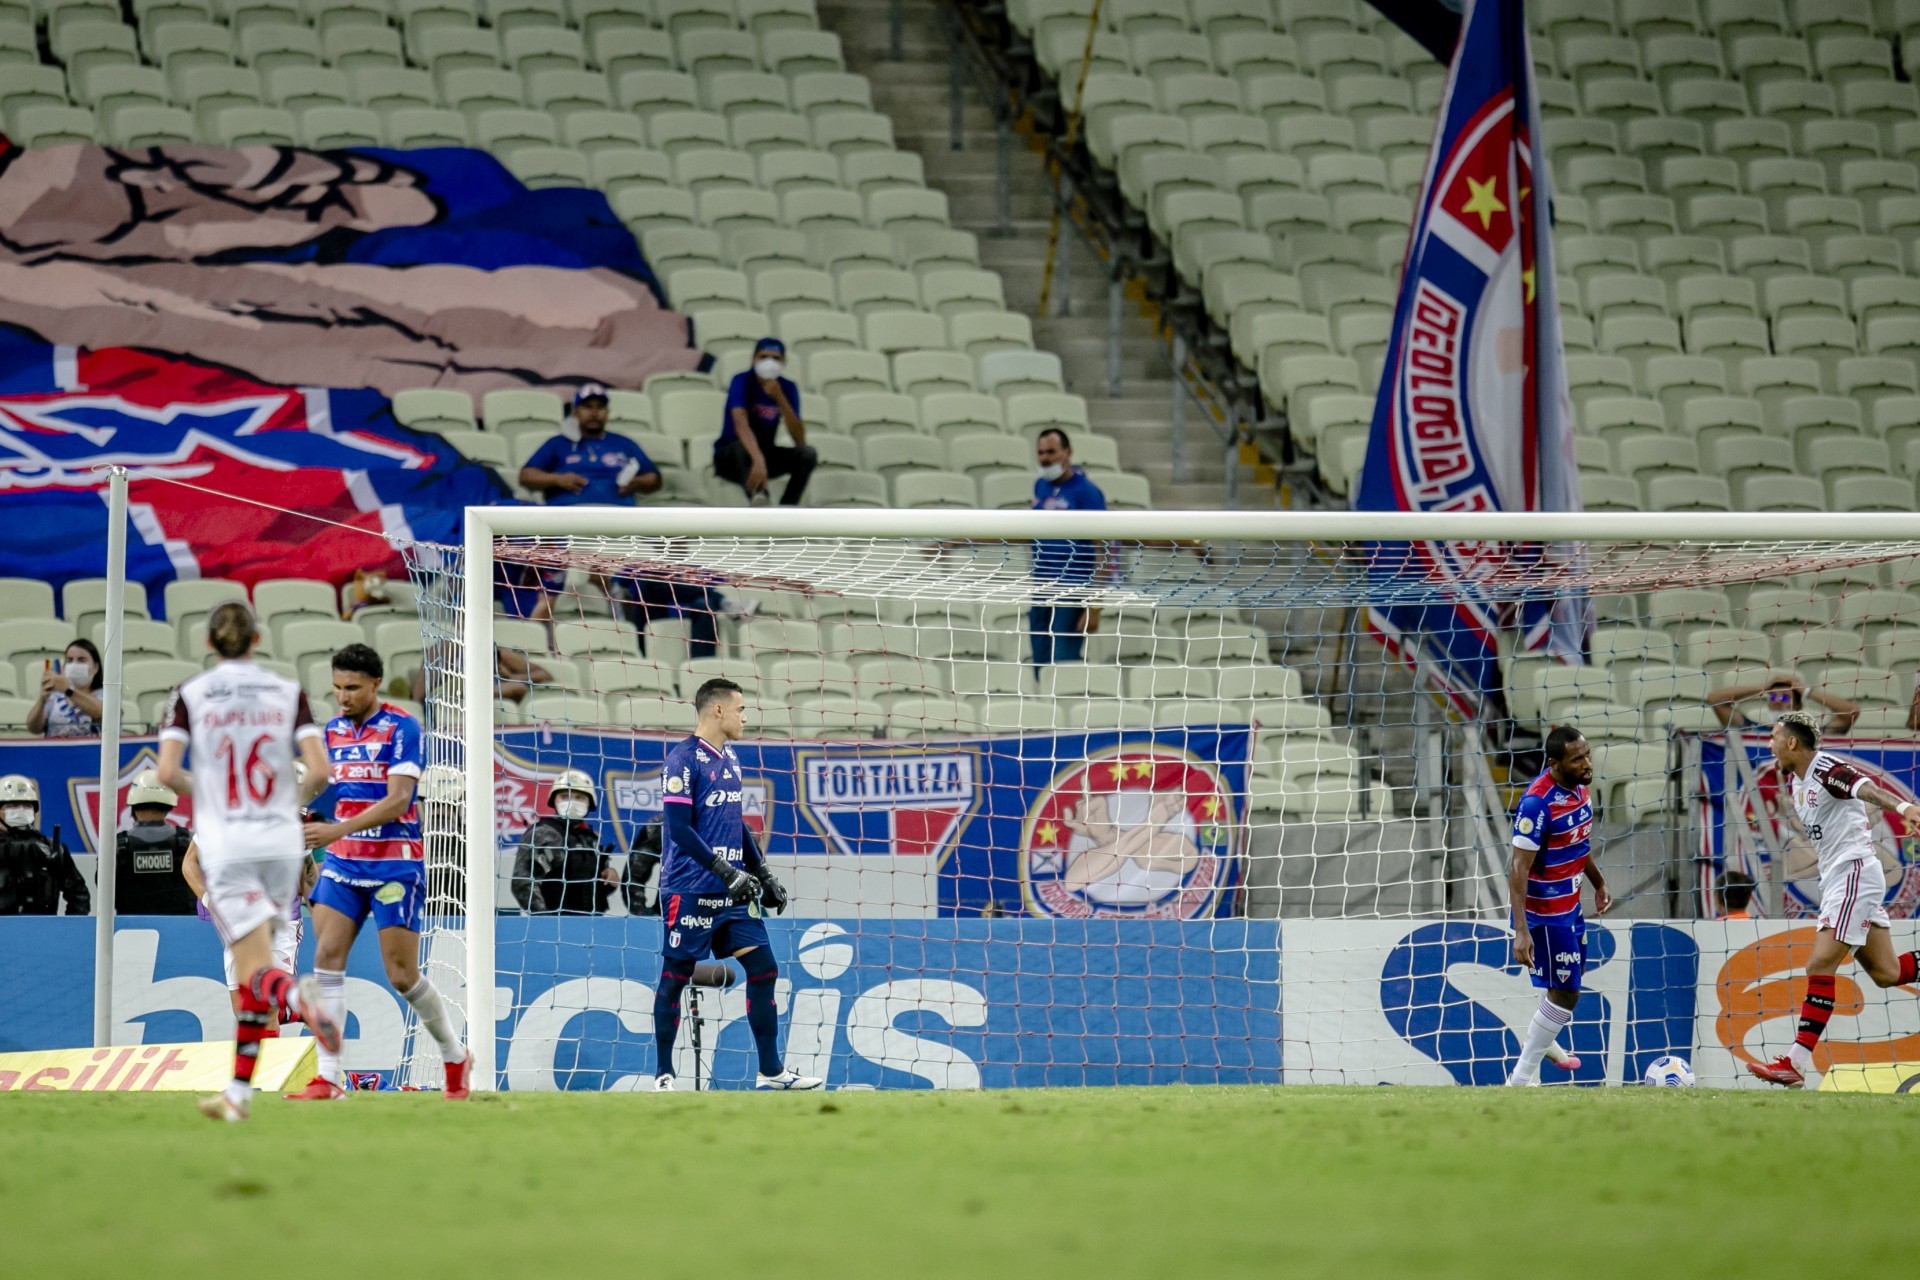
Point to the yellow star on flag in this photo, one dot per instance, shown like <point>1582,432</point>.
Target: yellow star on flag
<point>1048,833</point>
<point>1484,201</point>
<point>1526,278</point>
<point>1211,806</point>
<point>1139,769</point>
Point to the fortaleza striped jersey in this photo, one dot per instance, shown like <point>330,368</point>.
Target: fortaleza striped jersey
<point>1555,823</point>
<point>708,778</point>
<point>362,757</point>
<point>1827,804</point>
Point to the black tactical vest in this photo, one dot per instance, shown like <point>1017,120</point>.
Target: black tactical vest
<point>148,880</point>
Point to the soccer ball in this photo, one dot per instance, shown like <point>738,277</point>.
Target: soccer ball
<point>1670,1072</point>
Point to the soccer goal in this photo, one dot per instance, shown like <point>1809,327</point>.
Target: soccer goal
<point>1136,797</point>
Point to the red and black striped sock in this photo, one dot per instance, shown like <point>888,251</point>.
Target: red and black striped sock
<point>274,990</point>
<point>254,1024</point>
<point>1815,1010</point>
<point>1909,968</point>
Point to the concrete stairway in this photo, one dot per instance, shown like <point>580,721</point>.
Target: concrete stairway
<point>914,92</point>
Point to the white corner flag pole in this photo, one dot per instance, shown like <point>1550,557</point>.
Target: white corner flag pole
<point>106,821</point>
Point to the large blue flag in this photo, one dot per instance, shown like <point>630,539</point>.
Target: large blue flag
<point>1473,413</point>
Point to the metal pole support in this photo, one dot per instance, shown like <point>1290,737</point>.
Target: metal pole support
<point>106,821</point>
<point>956,98</point>
<point>1003,172</point>
<point>1116,306</point>
<point>1180,470</point>
<point>1233,455</point>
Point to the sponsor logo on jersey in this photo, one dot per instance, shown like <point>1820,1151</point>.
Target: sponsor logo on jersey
<point>890,804</point>
<point>1138,831</point>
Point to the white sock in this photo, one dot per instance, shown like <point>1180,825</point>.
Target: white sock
<point>333,998</point>
<point>1547,1022</point>
<point>240,1093</point>
<point>433,1016</point>
<point>1801,1057</point>
<point>1555,1053</point>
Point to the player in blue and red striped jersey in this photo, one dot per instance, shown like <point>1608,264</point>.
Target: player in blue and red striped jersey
<point>1551,856</point>
<point>712,884</point>
<point>375,864</point>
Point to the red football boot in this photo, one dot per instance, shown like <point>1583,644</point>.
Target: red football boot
<point>1780,1071</point>
<point>319,1089</point>
<point>457,1078</point>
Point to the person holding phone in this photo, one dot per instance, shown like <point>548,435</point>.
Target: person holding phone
<point>1784,692</point>
<point>69,702</point>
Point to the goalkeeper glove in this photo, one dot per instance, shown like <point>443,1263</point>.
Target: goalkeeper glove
<point>773,894</point>
<point>741,887</point>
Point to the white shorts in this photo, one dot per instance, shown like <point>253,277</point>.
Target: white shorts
<point>287,930</point>
<point>1853,899</point>
<point>243,895</point>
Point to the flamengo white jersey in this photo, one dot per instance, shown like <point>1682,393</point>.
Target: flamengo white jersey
<point>241,723</point>
<point>1825,802</point>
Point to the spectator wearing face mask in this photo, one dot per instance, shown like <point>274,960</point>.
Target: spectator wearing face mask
<point>69,702</point>
<point>759,400</point>
<point>36,871</point>
<point>1059,631</point>
<point>560,868</point>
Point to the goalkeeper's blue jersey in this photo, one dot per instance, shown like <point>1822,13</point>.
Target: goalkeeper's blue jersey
<point>708,778</point>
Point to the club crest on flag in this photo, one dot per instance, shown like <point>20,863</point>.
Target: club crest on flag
<point>85,796</point>
<point>1141,832</point>
<point>889,804</point>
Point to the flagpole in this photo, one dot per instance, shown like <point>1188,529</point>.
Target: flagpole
<point>106,820</point>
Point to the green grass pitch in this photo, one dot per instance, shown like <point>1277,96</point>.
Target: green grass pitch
<point>1168,1182</point>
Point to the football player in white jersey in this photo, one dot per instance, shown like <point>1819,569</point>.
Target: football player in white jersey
<point>245,725</point>
<point>1830,798</point>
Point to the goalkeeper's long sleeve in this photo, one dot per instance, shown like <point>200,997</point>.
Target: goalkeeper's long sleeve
<point>756,863</point>
<point>687,838</point>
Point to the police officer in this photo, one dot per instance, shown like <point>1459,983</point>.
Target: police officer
<point>36,872</point>
<point>151,854</point>
<point>560,869</point>
<point>642,859</point>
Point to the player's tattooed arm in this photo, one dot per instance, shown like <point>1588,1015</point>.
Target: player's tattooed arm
<point>1875,794</point>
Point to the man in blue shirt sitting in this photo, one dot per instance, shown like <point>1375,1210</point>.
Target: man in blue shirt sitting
<point>608,470</point>
<point>599,467</point>
<point>1060,631</point>
<point>758,402</point>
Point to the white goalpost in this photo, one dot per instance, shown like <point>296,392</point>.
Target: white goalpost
<point>1251,825</point>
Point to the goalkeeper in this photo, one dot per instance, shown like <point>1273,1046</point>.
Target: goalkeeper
<point>712,884</point>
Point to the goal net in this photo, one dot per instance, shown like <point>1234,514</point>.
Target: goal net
<point>1128,798</point>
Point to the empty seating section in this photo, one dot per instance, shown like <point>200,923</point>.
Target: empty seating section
<point>1736,221</point>
<point>764,189</point>
<point>860,667</point>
